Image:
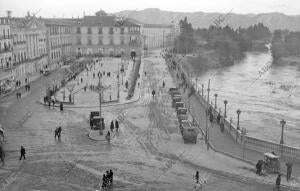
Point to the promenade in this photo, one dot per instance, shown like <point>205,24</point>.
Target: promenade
<point>223,141</point>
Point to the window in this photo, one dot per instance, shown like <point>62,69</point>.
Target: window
<point>89,30</point>
<point>100,42</point>
<point>111,42</point>
<point>4,33</point>
<point>79,41</point>
<point>89,41</point>
<point>100,31</point>
<point>78,30</point>
<point>122,30</point>
<point>111,30</point>
<point>122,41</point>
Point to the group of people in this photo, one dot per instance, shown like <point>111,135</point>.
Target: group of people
<point>57,132</point>
<point>27,87</point>
<point>114,125</point>
<point>107,179</point>
<point>18,95</point>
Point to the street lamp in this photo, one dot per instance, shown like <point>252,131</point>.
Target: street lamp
<point>202,89</point>
<point>216,95</point>
<point>238,122</point>
<point>225,103</point>
<point>282,122</point>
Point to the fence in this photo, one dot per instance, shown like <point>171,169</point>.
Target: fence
<point>248,142</point>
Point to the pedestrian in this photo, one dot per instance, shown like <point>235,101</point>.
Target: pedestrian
<point>289,167</point>
<point>25,80</point>
<point>17,95</point>
<point>93,75</point>
<point>108,137</point>
<point>278,181</point>
<point>23,152</point>
<point>59,132</point>
<point>2,155</point>
<point>84,88</point>
<point>53,103</point>
<point>81,80</point>
<point>153,94</point>
<point>28,87</point>
<point>61,106</point>
<point>104,184</point>
<point>112,126</point>
<point>20,95</point>
<point>138,84</point>
<point>111,176</point>
<point>259,167</point>
<point>117,125</point>
<point>197,176</point>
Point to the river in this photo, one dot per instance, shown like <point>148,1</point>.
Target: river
<point>265,96</point>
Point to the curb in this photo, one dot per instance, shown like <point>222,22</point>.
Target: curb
<point>102,140</point>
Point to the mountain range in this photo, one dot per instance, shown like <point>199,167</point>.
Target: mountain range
<point>273,20</point>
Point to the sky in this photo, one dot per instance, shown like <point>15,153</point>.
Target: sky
<point>75,8</point>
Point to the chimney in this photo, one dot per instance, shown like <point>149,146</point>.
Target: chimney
<point>8,14</point>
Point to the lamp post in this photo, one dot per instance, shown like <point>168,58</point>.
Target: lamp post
<point>202,89</point>
<point>282,123</point>
<point>216,95</point>
<point>206,121</point>
<point>225,103</point>
<point>118,83</point>
<point>238,122</point>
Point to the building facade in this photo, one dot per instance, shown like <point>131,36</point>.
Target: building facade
<point>106,35</point>
<point>59,41</point>
<point>157,36</point>
<point>6,49</point>
<point>29,41</point>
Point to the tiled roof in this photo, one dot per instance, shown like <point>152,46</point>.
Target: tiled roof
<point>104,21</point>
<point>26,22</point>
<point>60,21</point>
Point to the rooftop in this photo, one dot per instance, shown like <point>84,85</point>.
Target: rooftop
<point>105,20</point>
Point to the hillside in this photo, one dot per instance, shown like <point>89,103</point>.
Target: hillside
<point>201,19</point>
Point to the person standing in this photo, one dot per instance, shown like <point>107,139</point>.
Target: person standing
<point>22,152</point>
<point>197,176</point>
<point>289,167</point>
<point>111,176</point>
<point>278,181</point>
<point>117,125</point>
<point>112,126</point>
<point>2,155</point>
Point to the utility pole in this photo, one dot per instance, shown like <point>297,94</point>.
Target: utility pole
<point>207,130</point>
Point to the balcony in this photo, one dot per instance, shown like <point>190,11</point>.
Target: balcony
<point>5,37</point>
<point>5,50</point>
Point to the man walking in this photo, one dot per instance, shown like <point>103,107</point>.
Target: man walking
<point>23,152</point>
<point>112,126</point>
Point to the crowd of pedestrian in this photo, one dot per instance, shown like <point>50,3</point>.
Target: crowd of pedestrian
<point>107,180</point>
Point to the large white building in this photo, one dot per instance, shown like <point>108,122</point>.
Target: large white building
<point>106,35</point>
<point>29,41</point>
<point>6,49</point>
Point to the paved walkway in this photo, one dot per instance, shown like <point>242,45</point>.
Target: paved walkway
<point>223,141</point>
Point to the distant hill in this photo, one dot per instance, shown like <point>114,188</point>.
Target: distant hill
<point>203,20</point>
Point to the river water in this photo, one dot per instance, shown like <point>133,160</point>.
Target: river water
<point>265,96</point>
